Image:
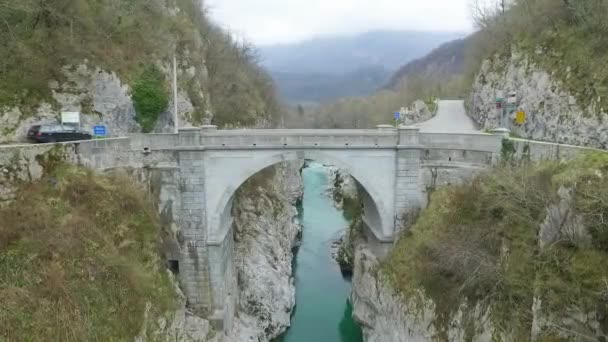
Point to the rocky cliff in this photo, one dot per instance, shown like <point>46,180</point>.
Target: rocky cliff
<point>553,113</point>
<point>342,187</point>
<point>88,57</point>
<point>472,270</point>
<point>266,230</point>
<point>101,97</point>
<point>385,316</point>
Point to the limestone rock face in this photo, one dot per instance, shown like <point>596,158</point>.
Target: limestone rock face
<point>387,317</point>
<point>418,112</point>
<point>179,325</point>
<point>553,114</point>
<point>265,231</point>
<point>102,99</point>
<point>341,185</point>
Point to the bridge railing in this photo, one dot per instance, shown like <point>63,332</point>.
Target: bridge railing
<point>479,142</point>
<point>383,136</point>
<point>300,138</point>
<point>154,141</point>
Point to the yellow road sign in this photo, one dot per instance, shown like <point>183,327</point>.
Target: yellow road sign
<point>520,118</point>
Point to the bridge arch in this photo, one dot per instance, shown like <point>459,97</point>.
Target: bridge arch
<point>238,167</point>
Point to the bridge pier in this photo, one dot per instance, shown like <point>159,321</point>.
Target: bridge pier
<point>408,194</point>
<point>207,272</point>
<point>194,263</point>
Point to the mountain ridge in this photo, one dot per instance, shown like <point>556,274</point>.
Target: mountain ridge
<point>326,68</point>
<point>344,53</point>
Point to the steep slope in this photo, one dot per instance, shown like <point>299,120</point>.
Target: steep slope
<point>443,63</point>
<point>517,254</point>
<point>266,229</point>
<point>551,56</point>
<point>79,261</point>
<point>552,112</point>
<point>105,60</point>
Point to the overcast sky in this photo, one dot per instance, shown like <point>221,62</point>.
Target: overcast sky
<point>281,21</point>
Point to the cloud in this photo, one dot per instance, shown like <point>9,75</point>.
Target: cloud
<point>280,21</point>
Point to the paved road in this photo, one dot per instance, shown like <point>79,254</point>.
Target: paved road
<point>451,118</point>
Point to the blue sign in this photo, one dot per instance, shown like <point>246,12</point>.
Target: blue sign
<point>397,115</point>
<point>99,131</point>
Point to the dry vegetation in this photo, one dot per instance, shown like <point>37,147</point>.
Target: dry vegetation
<point>478,244</point>
<point>129,37</point>
<point>568,38</point>
<point>376,109</point>
<point>79,260</point>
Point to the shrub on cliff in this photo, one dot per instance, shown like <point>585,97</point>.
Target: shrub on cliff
<point>79,260</point>
<point>40,38</point>
<point>508,239</point>
<point>150,97</point>
<point>567,38</point>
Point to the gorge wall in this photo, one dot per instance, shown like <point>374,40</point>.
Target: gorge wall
<point>266,229</point>
<point>448,280</point>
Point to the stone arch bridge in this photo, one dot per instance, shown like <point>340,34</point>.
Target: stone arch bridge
<point>198,171</point>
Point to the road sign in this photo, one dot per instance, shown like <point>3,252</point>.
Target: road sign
<point>397,115</point>
<point>70,117</point>
<point>100,131</point>
<point>520,118</point>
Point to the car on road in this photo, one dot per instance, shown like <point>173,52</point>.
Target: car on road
<point>52,133</point>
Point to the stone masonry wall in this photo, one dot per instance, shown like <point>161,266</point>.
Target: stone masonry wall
<point>407,199</point>
<point>194,264</point>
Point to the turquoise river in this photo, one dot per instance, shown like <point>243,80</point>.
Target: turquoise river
<point>323,311</point>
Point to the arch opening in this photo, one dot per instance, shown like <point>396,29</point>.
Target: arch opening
<point>375,207</point>
<point>226,171</point>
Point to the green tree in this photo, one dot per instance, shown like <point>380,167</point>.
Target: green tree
<point>150,97</point>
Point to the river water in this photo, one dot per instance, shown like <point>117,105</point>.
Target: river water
<point>323,311</point>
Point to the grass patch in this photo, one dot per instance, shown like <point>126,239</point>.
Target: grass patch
<point>477,245</point>
<point>79,259</point>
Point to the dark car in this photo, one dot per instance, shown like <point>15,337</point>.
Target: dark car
<point>55,133</point>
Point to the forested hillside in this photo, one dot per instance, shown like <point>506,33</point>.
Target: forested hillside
<point>552,55</point>
<point>556,35</point>
<point>442,69</point>
<point>55,51</point>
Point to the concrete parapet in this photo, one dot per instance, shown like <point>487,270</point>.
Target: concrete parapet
<point>205,129</point>
<point>409,136</point>
<point>385,128</point>
<point>503,132</point>
<point>462,141</point>
<point>189,136</point>
<point>539,150</point>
